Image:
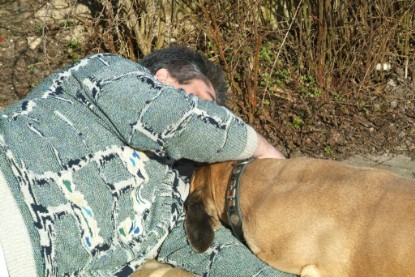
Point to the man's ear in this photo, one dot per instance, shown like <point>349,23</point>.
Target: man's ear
<point>163,75</point>
<point>198,223</point>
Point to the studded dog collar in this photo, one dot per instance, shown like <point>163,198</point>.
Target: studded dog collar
<point>233,210</point>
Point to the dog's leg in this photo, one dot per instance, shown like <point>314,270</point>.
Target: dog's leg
<point>153,268</point>
<point>310,271</point>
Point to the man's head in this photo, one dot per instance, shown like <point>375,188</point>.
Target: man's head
<point>182,67</point>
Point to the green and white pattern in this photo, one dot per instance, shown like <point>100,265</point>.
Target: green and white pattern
<point>85,168</point>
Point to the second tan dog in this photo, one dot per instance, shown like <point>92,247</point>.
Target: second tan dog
<point>312,217</point>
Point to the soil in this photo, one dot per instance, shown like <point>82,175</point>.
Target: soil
<point>374,127</point>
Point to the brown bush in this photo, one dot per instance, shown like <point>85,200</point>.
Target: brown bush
<point>302,72</point>
<point>308,58</point>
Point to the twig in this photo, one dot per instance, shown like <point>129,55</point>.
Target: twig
<point>281,46</point>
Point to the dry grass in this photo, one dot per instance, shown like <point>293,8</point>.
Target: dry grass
<point>326,39</point>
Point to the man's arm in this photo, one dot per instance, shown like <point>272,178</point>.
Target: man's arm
<point>226,257</point>
<point>266,150</point>
<point>150,116</point>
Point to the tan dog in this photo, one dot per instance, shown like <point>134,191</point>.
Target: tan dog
<point>312,217</point>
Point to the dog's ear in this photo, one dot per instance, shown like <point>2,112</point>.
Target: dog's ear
<point>198,223</point>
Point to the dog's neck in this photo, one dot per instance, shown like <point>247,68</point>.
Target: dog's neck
<point>220,175</point>
<point>212,182</point>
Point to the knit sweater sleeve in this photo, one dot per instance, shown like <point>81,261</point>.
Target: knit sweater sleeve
<point>148,115</point>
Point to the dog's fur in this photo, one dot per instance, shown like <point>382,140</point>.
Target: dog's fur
<point>312,217</point>
<point>153,268</point>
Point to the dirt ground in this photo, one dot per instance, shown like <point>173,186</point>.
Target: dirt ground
<point>37,37</point>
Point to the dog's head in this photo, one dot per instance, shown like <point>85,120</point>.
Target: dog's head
<point>201,215</point>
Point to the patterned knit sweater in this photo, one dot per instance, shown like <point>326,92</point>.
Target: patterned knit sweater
<point>86,185</point>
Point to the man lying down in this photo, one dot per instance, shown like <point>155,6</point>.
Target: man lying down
<point>87,185</point>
